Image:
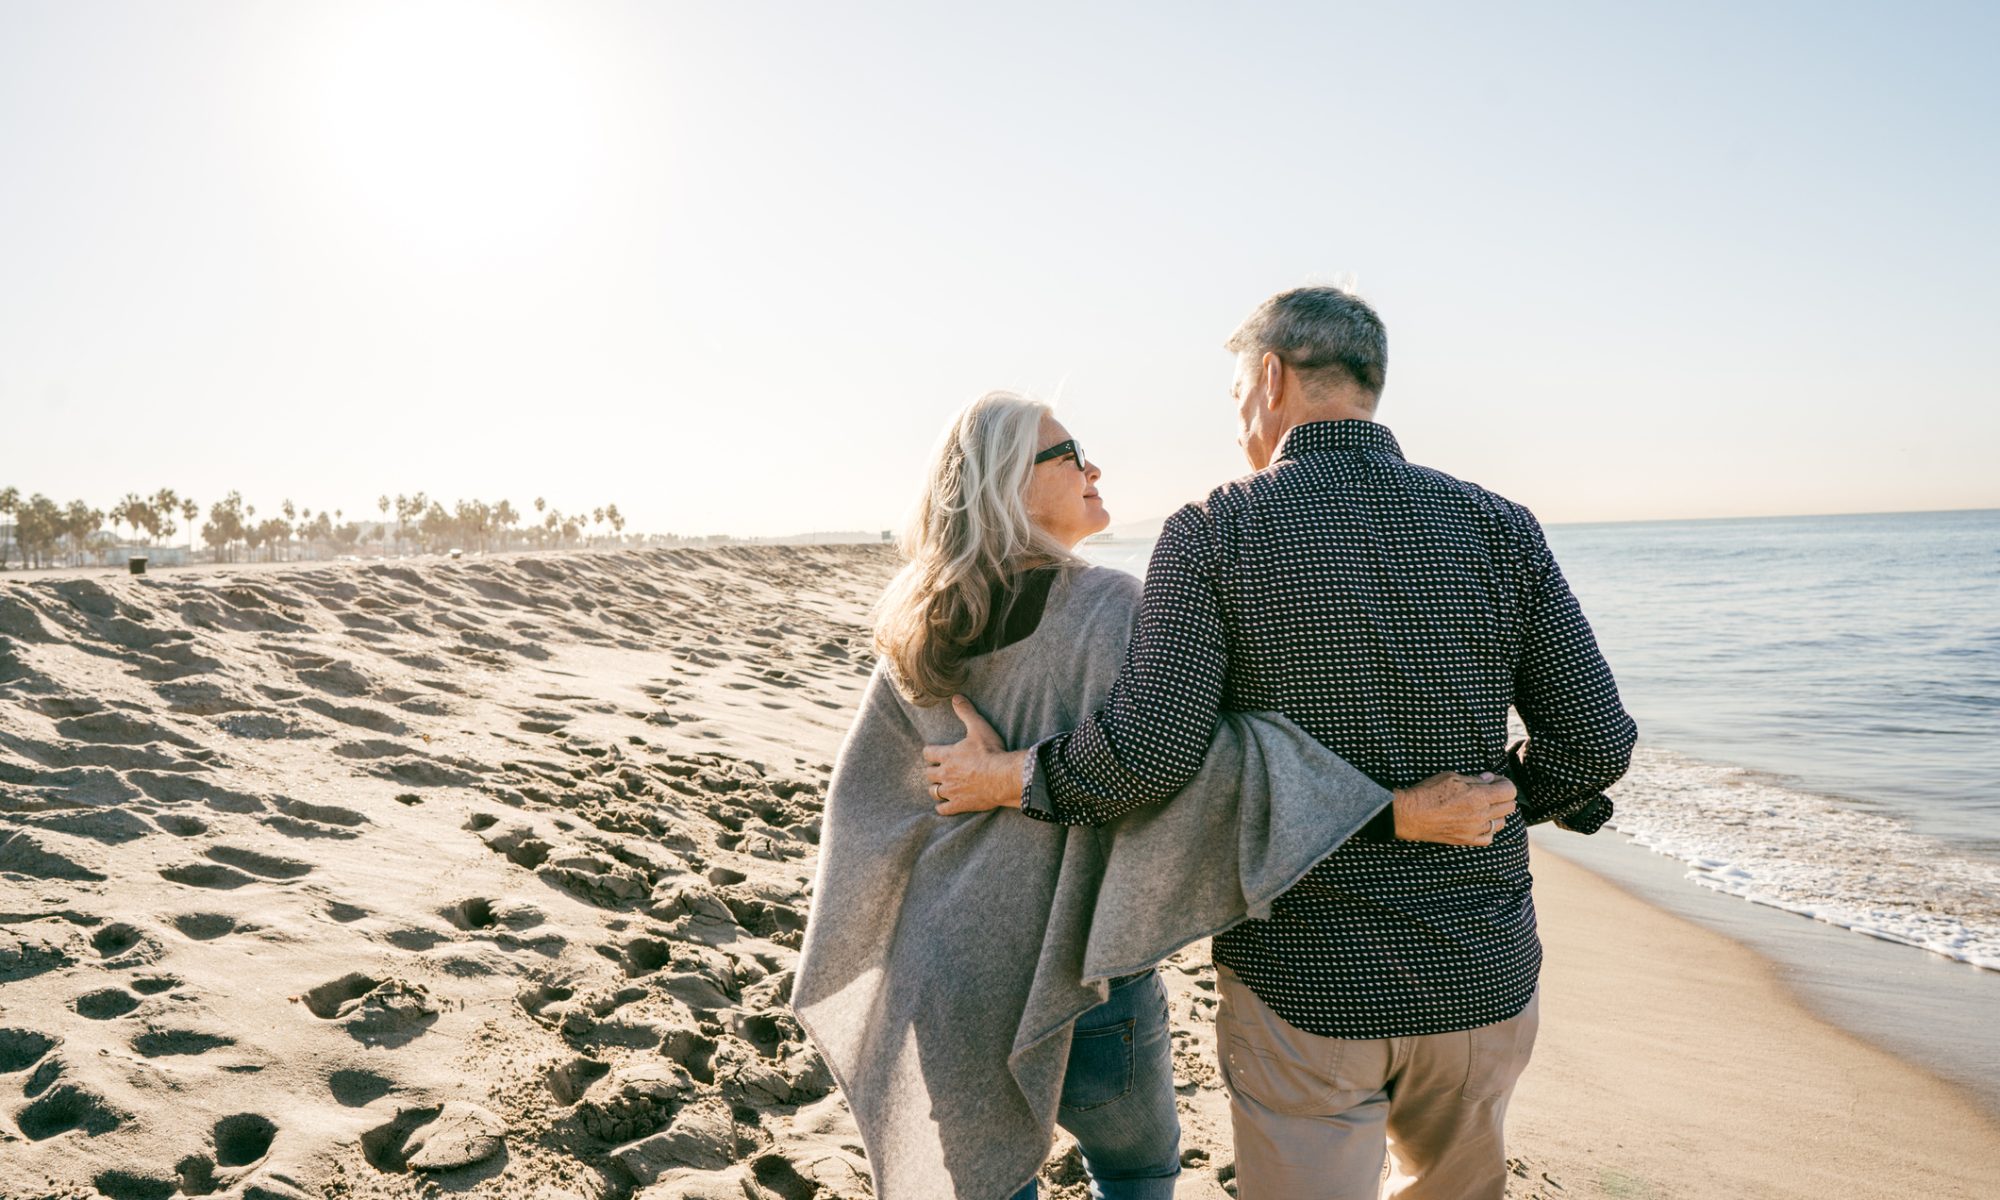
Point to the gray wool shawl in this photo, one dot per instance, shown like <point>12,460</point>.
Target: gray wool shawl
<point>946,958</point>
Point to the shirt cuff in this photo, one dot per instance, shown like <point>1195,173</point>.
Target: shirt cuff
<point>1588,816</point>
<point>1382,826</point>
<point>1035,799</point>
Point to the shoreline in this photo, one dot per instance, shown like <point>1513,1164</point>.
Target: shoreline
<point>1928,1010</point>
<point>1677,1061</point>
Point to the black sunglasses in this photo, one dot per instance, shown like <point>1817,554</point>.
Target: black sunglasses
<point>1070,449</point>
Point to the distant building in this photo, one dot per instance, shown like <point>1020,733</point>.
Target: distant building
<point>155,556</point>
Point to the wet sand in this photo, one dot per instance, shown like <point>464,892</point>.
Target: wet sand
<point>1674,1062</point>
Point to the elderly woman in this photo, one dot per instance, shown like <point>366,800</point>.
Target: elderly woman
<point>976,981</point>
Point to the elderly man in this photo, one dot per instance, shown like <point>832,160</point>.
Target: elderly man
<point>1394,613</point>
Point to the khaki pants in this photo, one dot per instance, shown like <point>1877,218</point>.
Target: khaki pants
<point>1314,1115</point>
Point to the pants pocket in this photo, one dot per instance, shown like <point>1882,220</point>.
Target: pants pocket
<point>1275,1080</point>
<point>1498,1053</point>
<point>1100,1066</point>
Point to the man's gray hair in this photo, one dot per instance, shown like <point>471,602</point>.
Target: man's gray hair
<point>1320,332</point>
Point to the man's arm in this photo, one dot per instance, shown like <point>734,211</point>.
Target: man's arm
<point>1149,739</point>
<point>1579,735</point>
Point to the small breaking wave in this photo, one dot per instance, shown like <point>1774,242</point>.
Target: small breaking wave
<point>1748,835</point>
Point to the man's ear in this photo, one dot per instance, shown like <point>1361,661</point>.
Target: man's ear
<point>1274,380</point>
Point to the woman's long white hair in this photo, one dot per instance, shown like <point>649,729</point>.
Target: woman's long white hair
<point>970,530</point>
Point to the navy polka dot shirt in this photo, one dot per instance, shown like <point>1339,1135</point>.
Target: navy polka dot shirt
<point>1395,613</point>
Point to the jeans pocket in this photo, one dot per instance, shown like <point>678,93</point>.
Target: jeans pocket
<point>1100,1067</point>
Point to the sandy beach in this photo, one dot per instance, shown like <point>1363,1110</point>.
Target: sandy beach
<point>488,877</point>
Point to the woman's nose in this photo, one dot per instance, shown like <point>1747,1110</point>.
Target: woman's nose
<point>1092,472</point>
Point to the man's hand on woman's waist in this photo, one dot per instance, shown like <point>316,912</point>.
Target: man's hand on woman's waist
<point>977,774</point>
<point>980,774</point>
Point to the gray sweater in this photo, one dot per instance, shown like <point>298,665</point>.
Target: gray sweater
<point>946,958</point>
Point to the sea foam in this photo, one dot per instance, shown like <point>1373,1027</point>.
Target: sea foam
<point>1748,835</point>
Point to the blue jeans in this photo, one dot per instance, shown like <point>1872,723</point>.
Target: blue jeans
<point>1118,1095</point>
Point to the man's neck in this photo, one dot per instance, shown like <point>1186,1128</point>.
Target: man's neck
<point>1326,412</point>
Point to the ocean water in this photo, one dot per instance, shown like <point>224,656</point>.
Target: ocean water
<point>1819,709</point>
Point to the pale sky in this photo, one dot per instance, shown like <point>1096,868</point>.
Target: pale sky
<point>733,266</point>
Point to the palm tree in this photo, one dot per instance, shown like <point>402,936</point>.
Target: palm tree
<point>504,519</point>
<point>79,522</point>
<point>41,524</point>
<point>420,507</point>
<point>189,511</point>
<point>225,526</point>
<point>10,503</point>
<point>125,512</point>
<point>617,520</point>
<point>165,505</point>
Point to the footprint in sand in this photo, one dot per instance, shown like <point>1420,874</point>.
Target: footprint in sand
<point>358,1089</point>
<point>642,955</point>
<point>292,827</point>
<point>331,1000</point>
<point>22,1048</point>
<point>106,1003</point>
<point>112,826</point>
<point>180,824</point>
<point>373,748</point>
<point>538,1000</point>
<point>115,939</point>
<point>171,788</point>
<point>206,927</point>
<point>206,875</point>
<point>68,1108</point>
<point>120,729</point>
<point>23,855</point>
<point>242,1140</point>
<point>371,1009</point>
<point>443,1138</point>
<point>359,716</point>
<point>270,866</point>
<point>569,1081</point>
<point>414,939</point>
<point>325,814</point>
<point>521,847</point>
<point>121,1184</point>
<point>170,1043</point>
<point>472,914</point>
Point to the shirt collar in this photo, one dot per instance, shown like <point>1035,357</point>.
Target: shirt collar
<point>1354,435</point>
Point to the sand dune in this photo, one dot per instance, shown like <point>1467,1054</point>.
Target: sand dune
<point>336,881</point>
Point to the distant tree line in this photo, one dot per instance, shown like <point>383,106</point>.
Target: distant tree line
<point>44,533</point>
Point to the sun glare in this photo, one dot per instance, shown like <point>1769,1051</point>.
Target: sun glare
<point>447,125</point>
